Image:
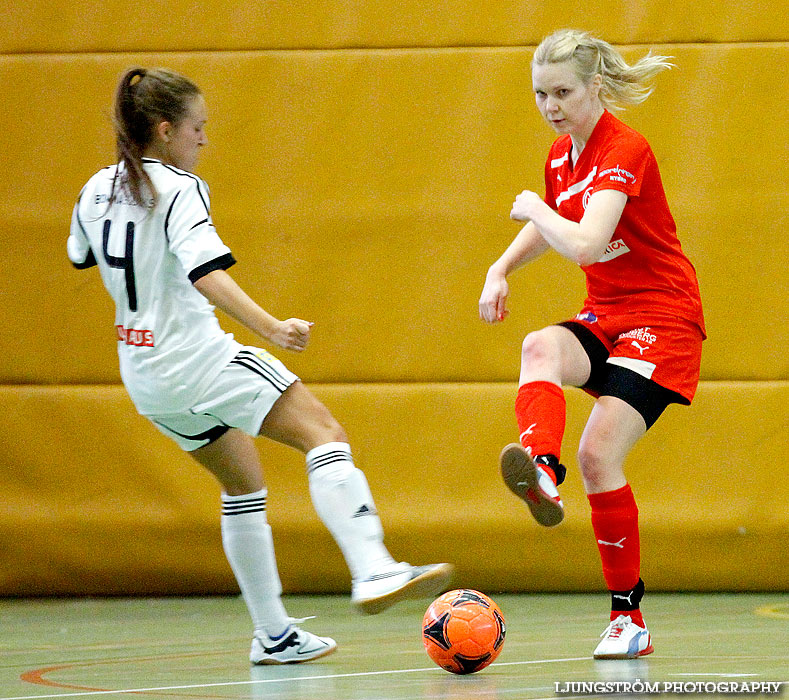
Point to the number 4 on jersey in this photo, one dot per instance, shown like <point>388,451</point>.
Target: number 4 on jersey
<point>126,263</point>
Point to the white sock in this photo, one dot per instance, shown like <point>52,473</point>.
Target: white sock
<point>344,503</point>
<point>249,547</point>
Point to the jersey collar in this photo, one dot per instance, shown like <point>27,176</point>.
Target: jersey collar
<point>594,137</point>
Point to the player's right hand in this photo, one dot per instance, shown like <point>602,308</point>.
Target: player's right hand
<point>292,334</point>
<point>493,301</point>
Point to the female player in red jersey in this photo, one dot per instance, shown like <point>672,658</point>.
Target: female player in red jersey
<point>146,222</point>
<point>636,343</point>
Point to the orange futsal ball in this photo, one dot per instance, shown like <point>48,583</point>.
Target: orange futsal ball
<point>463,631</point>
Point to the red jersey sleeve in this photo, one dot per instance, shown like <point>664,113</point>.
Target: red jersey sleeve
<point>623,165</point>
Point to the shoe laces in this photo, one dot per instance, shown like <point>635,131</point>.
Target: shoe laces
<point>291,622</point>
<point>616,627</point>
<point>300,620</point>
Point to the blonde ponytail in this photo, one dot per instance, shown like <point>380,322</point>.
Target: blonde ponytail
<point>623,84</point>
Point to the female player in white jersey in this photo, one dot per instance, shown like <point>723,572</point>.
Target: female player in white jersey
<point>636,343</point>
<point>146,222</point>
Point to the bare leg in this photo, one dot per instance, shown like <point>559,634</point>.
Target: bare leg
<point>300,421</point>
<point>612,430</point>
<point>555,355</point>
<point>233,459</point>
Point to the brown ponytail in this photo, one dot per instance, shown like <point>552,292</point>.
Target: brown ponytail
<point>143,99</point>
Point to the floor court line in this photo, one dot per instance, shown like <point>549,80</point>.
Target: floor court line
<point>261,681</point>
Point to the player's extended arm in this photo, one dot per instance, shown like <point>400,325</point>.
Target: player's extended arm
<point>528,244</point>
<point>224,293</point>
<point>583,243</point>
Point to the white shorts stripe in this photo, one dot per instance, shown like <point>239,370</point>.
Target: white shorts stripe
<point>266,367</point>
<point>241,396</point>
<point>264,371</point>
<point>642,367</point>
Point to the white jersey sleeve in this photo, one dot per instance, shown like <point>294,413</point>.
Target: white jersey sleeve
<point>79,251</point>
<point>191,234</point>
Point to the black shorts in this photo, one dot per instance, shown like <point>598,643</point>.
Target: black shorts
<point>648,397</point>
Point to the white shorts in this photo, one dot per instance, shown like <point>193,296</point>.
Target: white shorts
<point>240,397</point>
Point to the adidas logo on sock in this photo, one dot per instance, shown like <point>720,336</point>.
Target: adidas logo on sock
<point>364,510</point>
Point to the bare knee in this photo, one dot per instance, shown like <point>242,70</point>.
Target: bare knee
<point>299,420</point>
<point>320,426</point>
<point>234,461</point>
<point>541,358</point>
<point>592,465</point>
<point>538,348</point>
<point>598,471</point>
<point>327,428</point>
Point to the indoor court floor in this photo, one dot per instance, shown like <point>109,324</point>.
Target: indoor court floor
<point>197,648</point>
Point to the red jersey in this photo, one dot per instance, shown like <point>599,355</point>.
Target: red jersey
<point>643,267</point>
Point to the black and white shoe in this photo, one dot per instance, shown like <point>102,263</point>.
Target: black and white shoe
<point>293,646</point>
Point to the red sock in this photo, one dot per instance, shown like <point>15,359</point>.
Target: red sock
<point>634,615</point>
<point>615,524</point>
<point>541,411</point>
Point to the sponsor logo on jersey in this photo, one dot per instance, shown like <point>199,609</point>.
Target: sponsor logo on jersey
<point>587,316</point>
<point>120,197</point>
<point>587,194</point>
<point>641,334</point>
<point>133,336</point>
<point>613,250</point>
<point>618,174</point>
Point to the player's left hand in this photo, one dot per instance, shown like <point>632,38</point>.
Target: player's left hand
<point>524,206</point>
<point>293,334</point>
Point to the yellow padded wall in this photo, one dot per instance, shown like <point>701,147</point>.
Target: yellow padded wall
<point>95,500</point>
<point>180,25</point>
<point>363,160</point>
<point>369,191</point>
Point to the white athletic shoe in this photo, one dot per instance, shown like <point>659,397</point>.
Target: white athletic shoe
<point>293,646</point>
<point>624,639</point>
<point>531,483</point>
<point>399,582</point>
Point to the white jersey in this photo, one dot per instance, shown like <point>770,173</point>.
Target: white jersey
<point>170,343</point>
